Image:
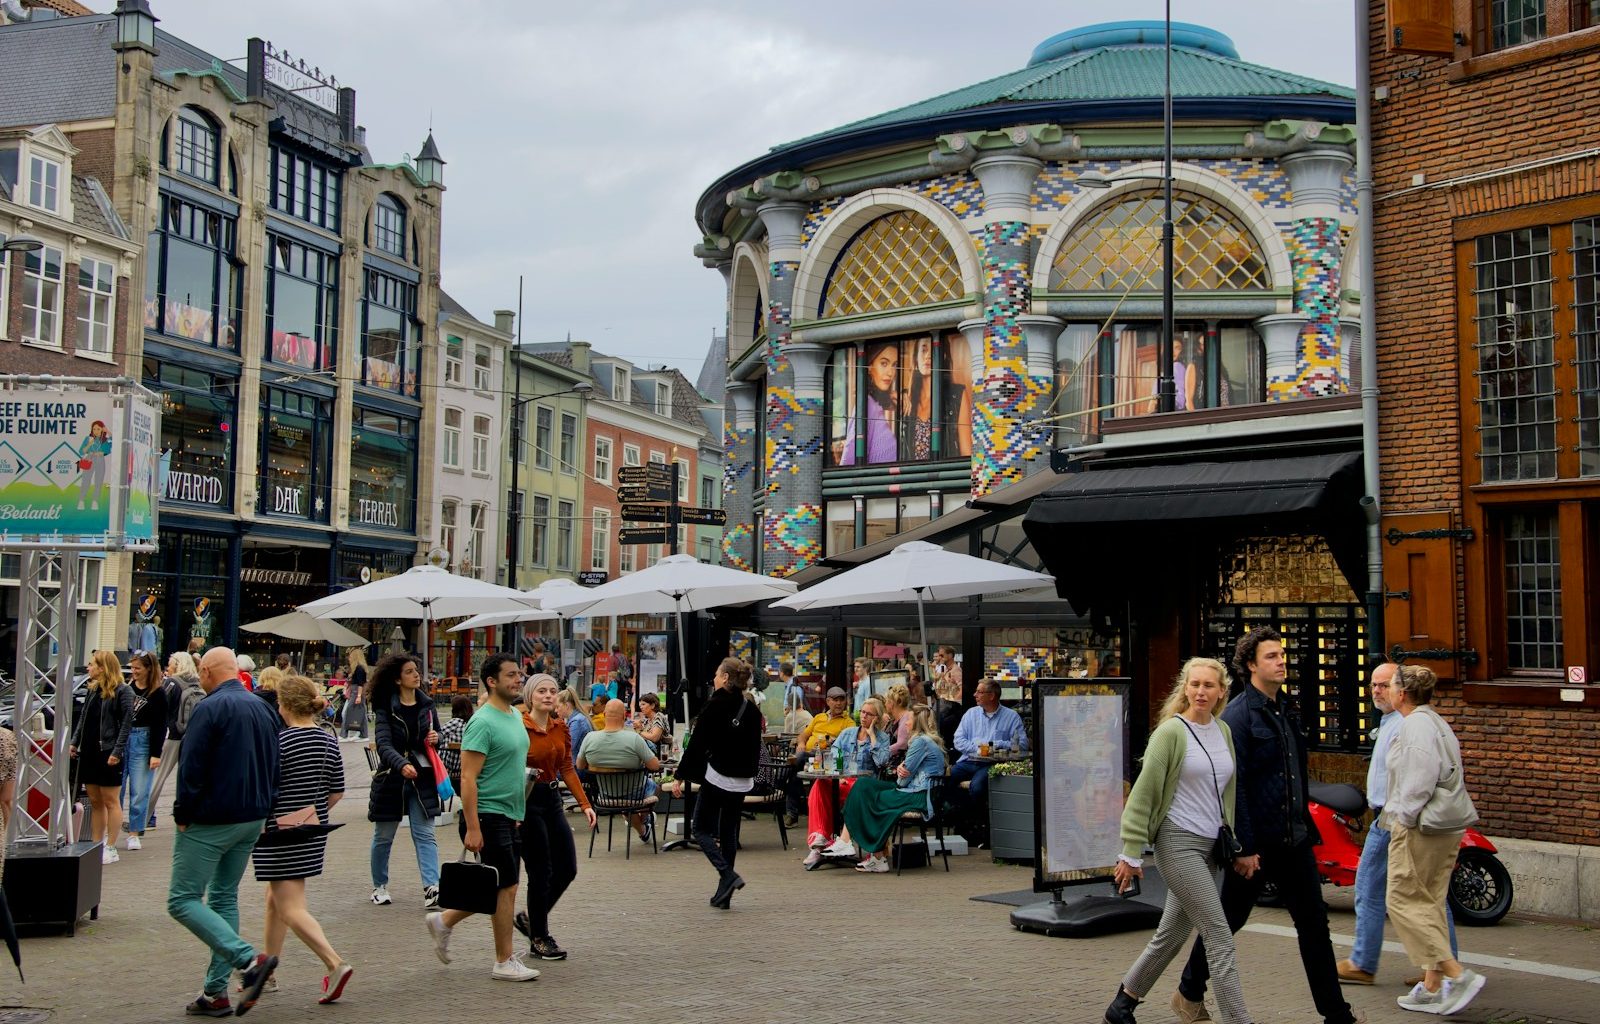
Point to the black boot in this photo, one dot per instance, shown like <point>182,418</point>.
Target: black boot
<point>731,883</point>
<point>1121,1009</point>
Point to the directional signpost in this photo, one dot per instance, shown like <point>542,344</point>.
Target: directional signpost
<point>649,494</point>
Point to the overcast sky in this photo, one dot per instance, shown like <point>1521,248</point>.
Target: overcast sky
<point>579,135</point>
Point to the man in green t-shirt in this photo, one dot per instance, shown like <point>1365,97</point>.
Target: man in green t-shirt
<point>494,755</point>
<point>619,747</point>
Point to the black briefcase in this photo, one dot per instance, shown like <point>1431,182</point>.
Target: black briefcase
<point>470,886</point>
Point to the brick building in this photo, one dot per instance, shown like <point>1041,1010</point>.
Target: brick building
<point>1487,206</point>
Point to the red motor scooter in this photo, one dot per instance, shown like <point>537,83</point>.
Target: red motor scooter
<point>1480,888</point>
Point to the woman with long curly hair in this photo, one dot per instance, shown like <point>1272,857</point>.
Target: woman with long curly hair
<point>405,725</point>
<point>100,744</point>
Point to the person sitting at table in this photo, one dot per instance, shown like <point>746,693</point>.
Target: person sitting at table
<point>865,749</point>
<point>651,723</point>
<point>818,733</point>
<point>897,704</point>
<point>875,806</point>
<point>623,749</point>
<point>988,726</point>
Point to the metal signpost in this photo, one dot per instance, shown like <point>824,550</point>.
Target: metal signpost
<point>649,494</point>
<point>79,471</point>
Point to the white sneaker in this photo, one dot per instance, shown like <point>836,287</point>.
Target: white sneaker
<point>109,855</point>
<point>874,865</point>
<point>817,841</point>
<point>1458,992</point>
<point>133,842</point>
<point>513,970</point>
<point>840,849</point>
<point>1421,1000</point>
<point>813,860</point>
<point>380,896</point>
<point>440,933</point>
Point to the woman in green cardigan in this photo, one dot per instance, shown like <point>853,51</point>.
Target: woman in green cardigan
<point>1183,796</point>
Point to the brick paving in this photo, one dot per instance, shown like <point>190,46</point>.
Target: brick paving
<point>825,946</point>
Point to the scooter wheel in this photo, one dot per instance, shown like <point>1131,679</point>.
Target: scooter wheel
<point>1480,888</point>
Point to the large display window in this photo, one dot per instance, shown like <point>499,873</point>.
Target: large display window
<point>302,305</point>
<point>383,466</point>
<point>197,419</point>
<point>296,436</point>
<point>900,400</point>
<point>193,281</point>
<point>390,334</point>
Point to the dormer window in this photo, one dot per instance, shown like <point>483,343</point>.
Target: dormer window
<point>619,385</point>
<point>663,398</point>
<point>389,226</point>
<point>44,184</point>
<point>195,149</point>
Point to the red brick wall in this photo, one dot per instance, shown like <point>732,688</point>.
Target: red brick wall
<point>96,154</point>
<point>1530,770</point>
<point>601,496</point>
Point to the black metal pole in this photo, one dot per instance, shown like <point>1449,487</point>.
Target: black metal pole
<point>1166,386</point>
<point>514,514</point>
<point>673,518</point>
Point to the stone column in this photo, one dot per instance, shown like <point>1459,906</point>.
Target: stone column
<point>1316,250</point>
<point>1007,395</point>
<point>791,527</point>
<point>738,475</point>
<point>1041,334</point>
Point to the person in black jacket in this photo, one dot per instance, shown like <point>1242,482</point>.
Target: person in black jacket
<point>100,746</point>
<point>405,725</point>
<point>722,756</point>
<point>1274,827</point>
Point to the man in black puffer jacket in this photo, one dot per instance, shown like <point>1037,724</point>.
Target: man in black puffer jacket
<point>1274,828</point>
<point>723,756</point>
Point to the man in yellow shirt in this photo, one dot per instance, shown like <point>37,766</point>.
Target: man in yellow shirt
<point>823,730</point>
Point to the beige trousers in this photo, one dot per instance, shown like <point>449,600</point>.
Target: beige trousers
<point>1419,881</point>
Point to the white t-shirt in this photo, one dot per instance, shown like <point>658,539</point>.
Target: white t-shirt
<point>727,783</point>
<point>1195,805</point>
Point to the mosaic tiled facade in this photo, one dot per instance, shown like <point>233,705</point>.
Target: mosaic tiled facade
<point>791,529</point>
<point>959,193</point>
<point>1002,440</point>
<point>738,482</point>
<point>1316,249</point>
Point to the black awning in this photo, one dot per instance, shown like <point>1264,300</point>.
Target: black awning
<point>1199,490</point>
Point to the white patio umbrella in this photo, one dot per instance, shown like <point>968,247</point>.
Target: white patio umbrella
<point>916,571</point>
<point>676,584</point>
<point>548,590</point>
<point>423,592</point>
<point>307,629</point>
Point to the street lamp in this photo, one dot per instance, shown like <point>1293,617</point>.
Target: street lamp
<point>582,389</point>
<point>136,25</point>
<point>21,243</point>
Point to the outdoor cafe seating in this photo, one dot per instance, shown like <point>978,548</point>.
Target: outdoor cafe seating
<point>614,793</point>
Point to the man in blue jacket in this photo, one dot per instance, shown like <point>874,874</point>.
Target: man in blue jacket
<point>1274,827</point>
<point>227,784</point>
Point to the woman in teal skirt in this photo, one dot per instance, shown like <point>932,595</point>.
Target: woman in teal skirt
<point>874,806</point>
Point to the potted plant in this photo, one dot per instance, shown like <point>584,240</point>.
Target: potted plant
<point>1011,810</point>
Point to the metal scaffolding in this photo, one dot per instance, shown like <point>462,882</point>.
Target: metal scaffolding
<point>43,708</point>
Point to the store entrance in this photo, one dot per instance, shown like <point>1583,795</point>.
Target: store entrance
<point>275,577</point>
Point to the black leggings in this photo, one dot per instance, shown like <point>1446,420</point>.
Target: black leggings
<point>717,814</point>
<point>549,853</point>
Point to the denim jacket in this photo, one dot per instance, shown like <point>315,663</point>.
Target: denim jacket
<point>1266,815</point>
<point>924,761</point>
<point>861,757</point>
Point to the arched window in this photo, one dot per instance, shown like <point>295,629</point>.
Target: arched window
<point>1118,248</point>
<point>389,226</point>
<point>195,146</point>
<point>896,261</point>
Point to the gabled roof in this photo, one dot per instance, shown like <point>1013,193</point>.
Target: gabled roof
<point>91,208</point>
<point>448,304</point>
<point>58,69</point>
<point>713,379</point>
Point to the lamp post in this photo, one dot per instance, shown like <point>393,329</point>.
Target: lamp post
<point>21,243</point>
<point>582,389</point>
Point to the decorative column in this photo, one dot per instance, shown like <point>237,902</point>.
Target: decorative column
<point>791,528</point>
<point>1041,333</point>
<point>1007,396</point>
<point>1309,365</point>
<point>738,475</point>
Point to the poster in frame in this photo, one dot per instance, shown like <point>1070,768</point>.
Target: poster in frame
<point>1083,768</point>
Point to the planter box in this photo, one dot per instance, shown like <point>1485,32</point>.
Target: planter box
<point>1011,817</point>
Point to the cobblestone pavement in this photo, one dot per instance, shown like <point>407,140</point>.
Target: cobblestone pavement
<point>826,946</point>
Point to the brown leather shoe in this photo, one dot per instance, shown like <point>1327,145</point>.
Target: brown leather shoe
<point>1188,1011</point>
<point>1350,974</point>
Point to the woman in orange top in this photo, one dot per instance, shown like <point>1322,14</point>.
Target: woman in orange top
<point>547,846</point>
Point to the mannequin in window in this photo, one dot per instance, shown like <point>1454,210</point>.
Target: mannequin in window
<point>883,359</point>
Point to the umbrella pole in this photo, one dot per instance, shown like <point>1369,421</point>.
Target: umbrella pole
<point>922,623</point>
<point>683,660</point>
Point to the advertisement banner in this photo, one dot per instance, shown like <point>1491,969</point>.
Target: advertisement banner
<point>653,662</point>
<point>142,459</point>
<point>57,451</point>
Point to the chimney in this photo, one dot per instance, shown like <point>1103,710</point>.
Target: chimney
<point>580,356</point>
<point>255,74</point>
<point>505,321</point>
<point>347,115</point>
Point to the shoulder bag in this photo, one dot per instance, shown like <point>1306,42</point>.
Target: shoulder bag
<point>1449,809</point>
<point>1226,849</point>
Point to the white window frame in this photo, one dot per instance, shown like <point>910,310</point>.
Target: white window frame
<point>544,419</point>
<point>31,331</point>
<point>602,462</point>
<point>482,372</point>
<point>630,455</point>
<point>480,443</point>
<point>44,194</point>
<point>658,458</point>
<point>539,553</point>
<point>451,456</point>
<point>476,535</point>
<point>453,359</point>
<point>708,551</point>
<point>567,444</point>
<point>5,289</point>
<point>600,540</point>
<point>620,387</point>
<point>99,305</point>
<point>663,398</point>
<point>685,492</point>
<point>448,515</point>
<point>626,558</point>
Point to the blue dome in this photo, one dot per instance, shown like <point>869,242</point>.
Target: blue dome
<point>1132,33</point>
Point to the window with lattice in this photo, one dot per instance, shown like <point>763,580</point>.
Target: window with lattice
<point>896,261</point>
<point>1118,248</point>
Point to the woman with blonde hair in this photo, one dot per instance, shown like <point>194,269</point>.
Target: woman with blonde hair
<point>862,749</point>
<point>547,847</point>
<point>897,718</point>
<point>355,693</point>
<point>310,774</point>
<point>575,714</point>
<point>100,745</point>
<point>875,806</point>
<point>1183,805</point>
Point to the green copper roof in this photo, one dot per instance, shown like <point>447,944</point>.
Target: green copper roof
<point>1121,61</point>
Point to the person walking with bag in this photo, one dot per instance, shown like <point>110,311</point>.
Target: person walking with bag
<point>291,850</point>
<point>547,847</point>
<point>1426,812</point>
<point>355,695</point>
<point>182,689</point>
<point>405,725</point>
<point>723,758</point>
<point>1183,804</point>
<point>100,745</point>
<point>145,740</point>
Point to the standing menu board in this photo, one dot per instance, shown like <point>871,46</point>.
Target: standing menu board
<point>1081,776</point>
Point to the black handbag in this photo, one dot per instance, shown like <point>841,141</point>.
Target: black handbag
<point>470,886</point>
<point>1225,849</point>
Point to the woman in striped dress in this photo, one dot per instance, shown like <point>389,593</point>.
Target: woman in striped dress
<point>310,773</point>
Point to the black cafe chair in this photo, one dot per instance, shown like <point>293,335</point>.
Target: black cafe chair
<point>922,820</point>
<point>614,793</point>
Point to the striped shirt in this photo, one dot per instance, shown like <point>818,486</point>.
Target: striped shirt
<point>310,769</point>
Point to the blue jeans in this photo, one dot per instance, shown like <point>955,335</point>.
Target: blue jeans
<point>1372,880</point>
<point>136,781</point>
<point>208,861</point>
<point>421,837</point>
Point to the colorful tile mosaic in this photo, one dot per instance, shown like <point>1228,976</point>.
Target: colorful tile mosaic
<point>791,540</point>
<point>736,546</point>
<point>1316,249</point>
<point>820,211</point>
<point>960,193</point>
<point>1002,440</point>
<point>1262,179</point>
